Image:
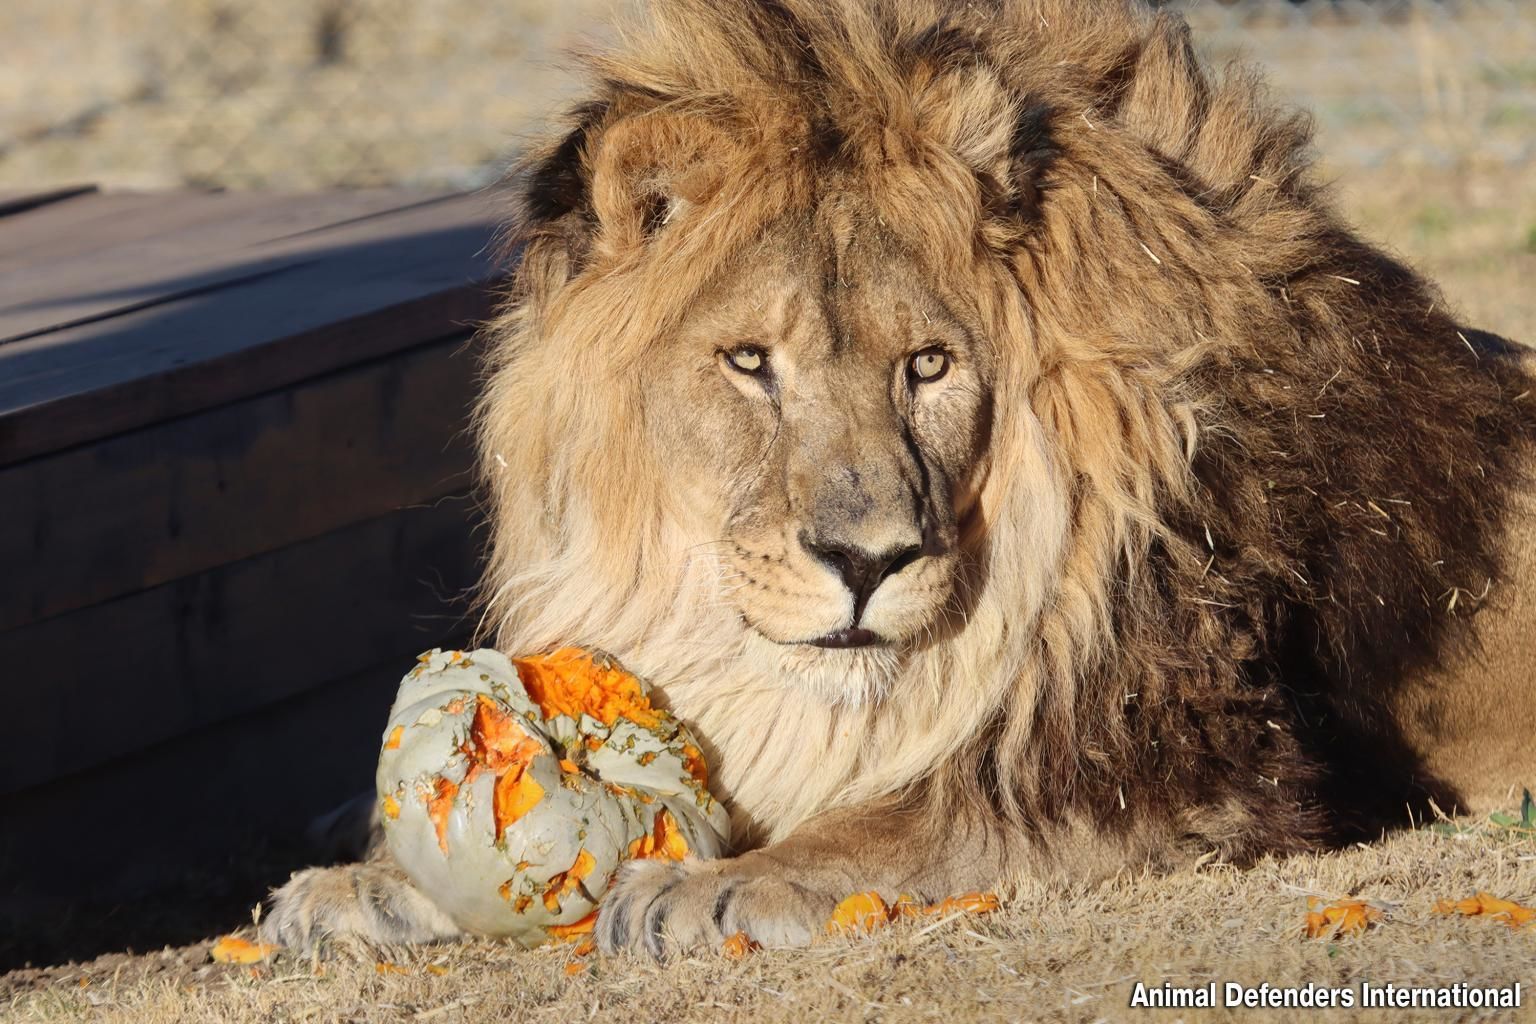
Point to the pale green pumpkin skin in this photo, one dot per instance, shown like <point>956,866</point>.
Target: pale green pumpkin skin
<point>629,775</point>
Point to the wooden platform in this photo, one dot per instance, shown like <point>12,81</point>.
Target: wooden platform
<point>233,470</point>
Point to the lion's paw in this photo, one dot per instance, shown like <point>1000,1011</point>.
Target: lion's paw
<point>666,906</point>
<point>372,902</point>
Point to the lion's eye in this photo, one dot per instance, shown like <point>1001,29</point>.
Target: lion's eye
<point>747,360</point>
<point>928,365</point>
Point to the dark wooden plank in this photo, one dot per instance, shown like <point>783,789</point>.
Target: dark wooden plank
<point>183,496</point>
<point>107,680</point>
<point>20,202</point>
<point>177,242</point>
<point>105,220</point>
<point>78,228</point>
<point>371,288</point>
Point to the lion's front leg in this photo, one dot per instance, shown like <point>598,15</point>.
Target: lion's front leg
<point>784,894</point>
<point>372,901</point>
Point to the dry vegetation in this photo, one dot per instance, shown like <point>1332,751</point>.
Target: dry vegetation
<point>289,94</point>
<point>1470,222</point>
<point>1471,228</point>
<point>1049,956</point>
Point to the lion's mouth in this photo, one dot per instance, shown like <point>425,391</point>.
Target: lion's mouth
<point>856,636</point>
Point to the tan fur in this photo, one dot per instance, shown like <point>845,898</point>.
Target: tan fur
<point>1156,581</point>
<point>1472,719</point>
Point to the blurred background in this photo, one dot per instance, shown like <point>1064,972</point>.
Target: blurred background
<point>1426,109</point>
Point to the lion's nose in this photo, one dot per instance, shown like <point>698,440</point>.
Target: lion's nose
<point>862,570</point>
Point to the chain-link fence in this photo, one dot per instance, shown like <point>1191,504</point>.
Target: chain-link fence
<point>309,93</point>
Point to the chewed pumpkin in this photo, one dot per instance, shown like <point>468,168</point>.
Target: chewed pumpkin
<point>511,789</point>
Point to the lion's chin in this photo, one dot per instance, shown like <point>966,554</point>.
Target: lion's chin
<point>850,676</point>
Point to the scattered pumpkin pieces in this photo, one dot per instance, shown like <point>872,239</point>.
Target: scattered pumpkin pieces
<point>232,949</point>
<point>1486,905</point>
<point>1339,918</point>
<point>861,912</point>
<point>584,949</point>
<point>437,969</point>
<point>385,967</point>
<point>965,903</point>
<point>738,946</point>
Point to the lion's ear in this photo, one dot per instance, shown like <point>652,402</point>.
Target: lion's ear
<point>626,176</point>
<point>1003,138</point>
<point>649,168</point>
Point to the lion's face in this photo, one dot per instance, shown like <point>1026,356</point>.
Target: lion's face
<point>827,415</point>
<point>796,335</point>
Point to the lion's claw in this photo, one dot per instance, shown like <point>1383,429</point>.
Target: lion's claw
<point>665,906</point>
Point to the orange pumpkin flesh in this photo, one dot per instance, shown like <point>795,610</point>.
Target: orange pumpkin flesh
<point>1487,905</point>
<point>568,682</point>
<point>576,929</point>
<point>498,743</point>
<point>1343,917</point>
<point>567,880</point>
<point>864,912</point>
<point>232,949</point>
<point>516,794</point>
<point>738,946</point>
<point>664,842</point>
<point>861,912</point>
<point>693,760</point>
<point>439,806</point>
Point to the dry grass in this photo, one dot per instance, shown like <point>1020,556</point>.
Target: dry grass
<point>1471,228</point>
<point>1050,956</point>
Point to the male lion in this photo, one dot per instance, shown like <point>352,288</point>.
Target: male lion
<point>976,422</point>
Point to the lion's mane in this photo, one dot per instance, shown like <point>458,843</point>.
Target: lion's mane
<point>1281,458</point>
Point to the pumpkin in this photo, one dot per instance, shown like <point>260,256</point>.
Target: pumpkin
<point>511,789</point>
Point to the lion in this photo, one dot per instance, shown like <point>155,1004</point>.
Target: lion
<point>975,420</point>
